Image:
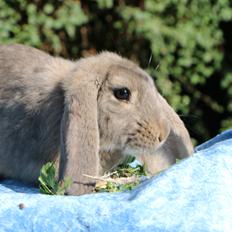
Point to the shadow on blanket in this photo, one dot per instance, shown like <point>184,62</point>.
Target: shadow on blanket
<point>194,195</point>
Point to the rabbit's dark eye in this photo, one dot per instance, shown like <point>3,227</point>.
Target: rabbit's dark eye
<point>122,94</point>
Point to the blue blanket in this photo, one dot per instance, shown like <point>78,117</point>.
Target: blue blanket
<point>194,195</point>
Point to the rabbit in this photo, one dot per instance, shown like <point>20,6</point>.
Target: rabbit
<point>85,115</point>
<point>177,146</point>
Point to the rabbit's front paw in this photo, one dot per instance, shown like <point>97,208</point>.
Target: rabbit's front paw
<point>80,189</point>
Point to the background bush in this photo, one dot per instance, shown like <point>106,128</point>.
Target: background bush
<point>184,44</point>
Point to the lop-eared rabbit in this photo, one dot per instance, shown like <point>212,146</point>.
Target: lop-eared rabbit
<point>87,114</point>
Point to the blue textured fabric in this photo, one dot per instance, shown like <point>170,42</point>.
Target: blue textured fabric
<point>194,195</point>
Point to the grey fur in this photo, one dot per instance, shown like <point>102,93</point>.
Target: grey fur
<point>52,109</point>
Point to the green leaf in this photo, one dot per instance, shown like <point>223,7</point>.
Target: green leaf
<point>48,184</point>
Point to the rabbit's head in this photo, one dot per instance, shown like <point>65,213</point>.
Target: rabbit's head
<point>130,116</point>
<point>111,104</point>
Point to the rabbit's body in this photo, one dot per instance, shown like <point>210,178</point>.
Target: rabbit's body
<point>50,106</point>
<point>31,108</point>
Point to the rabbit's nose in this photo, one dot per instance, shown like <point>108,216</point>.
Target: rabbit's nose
<point>160,138</point>
<point>164,132</point>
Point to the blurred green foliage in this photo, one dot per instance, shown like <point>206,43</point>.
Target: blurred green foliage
<point>184,44</point>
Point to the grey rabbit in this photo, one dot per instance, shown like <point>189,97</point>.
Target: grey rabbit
<point>85,115</point>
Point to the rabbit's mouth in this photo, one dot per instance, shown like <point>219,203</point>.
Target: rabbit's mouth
<point>137,148</point>
<point>146,138</point>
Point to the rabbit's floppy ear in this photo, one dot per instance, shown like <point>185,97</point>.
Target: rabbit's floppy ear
<point>79,131</point>
<point>178,141</point>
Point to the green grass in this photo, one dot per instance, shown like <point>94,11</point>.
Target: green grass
<point>124,177</point>
<point>48,183</point>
